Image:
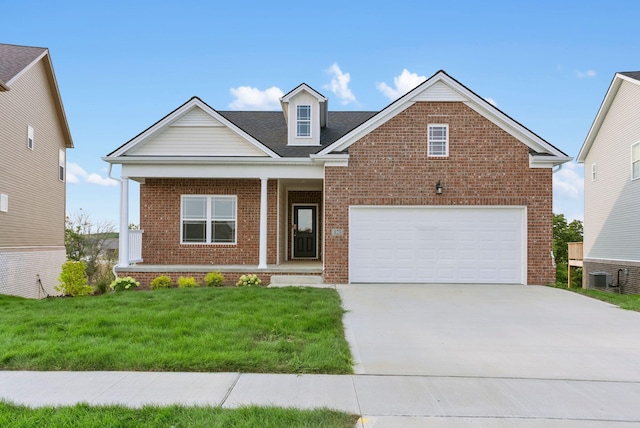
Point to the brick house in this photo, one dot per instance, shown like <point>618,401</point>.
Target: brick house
<point>439,186</point>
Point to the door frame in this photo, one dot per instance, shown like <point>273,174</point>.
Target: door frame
<point>317,219</point>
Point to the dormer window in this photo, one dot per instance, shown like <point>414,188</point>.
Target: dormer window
<point>305,111</point>
<point>303,121</point>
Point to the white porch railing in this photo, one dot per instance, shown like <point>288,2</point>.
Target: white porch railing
<point>135,246</point>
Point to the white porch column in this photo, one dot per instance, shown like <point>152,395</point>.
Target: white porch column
<point>263,224</point>
<point>123,243</point>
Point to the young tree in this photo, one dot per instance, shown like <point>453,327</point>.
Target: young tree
<point>86,240</point>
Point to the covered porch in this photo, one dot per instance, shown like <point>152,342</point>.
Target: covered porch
<point>287,228</point>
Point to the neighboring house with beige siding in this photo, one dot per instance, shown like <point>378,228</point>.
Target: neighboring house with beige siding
<point>34,136</point>
<point>440,186</point>
<point>611,158</point>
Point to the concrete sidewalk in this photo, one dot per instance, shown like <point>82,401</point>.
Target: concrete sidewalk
<point>384,401</point>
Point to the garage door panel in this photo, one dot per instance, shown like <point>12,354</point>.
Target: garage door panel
<point>436,244</point>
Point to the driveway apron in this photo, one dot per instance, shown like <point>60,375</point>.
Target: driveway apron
<point>489,330</point>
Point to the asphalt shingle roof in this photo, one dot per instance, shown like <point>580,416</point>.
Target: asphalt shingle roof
<point>633,74</point>
<point>270,128</point>
<point>14,58</point>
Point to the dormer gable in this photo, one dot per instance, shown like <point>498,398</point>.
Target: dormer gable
<point>305,111</point>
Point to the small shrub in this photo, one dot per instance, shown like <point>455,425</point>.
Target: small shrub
<point>214,279</point>
<point>162,281</point>
<point>187,282</point>
<point>101,285</point>
<point>251,280</point>
<point>73,280</point>
<point>124,284</point>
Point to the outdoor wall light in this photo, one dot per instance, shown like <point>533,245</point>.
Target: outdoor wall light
<point>439,188</point>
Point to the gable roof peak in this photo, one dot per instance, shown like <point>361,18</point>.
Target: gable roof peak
<point>303,87</point>
<point>453,91</point>
<point>632,77</point>
<point>16,59</point>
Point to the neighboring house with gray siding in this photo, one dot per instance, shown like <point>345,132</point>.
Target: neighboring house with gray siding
<point>34,136</point>
<point>611,158</point>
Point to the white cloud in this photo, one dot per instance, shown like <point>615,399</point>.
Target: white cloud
<point>73,171</point>
<point>568,191</point>
<point>588,73</point>
<point>75,174</point>
<point>491,101</point>
<point>248,98</point>
<point>405,82</point>
<point>340,84</point>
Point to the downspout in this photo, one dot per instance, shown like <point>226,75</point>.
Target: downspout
<point>553,257</point>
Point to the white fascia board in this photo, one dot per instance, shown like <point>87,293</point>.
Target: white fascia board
<point>223,170</point>
<point>332,159</point>
<point>516,130</point>
<point>547,161</point>
<point>198,160</point>
<point>478,104</point>
<point>602,113</point>
<point>181,111</point>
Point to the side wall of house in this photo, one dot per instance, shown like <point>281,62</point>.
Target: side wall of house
<point>485,166</point>
<point>32,230</point>
<point>30,177</point>
<point>612,200</point>
<point>160,220</point>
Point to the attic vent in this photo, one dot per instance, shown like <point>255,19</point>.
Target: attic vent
<point>30,137</point>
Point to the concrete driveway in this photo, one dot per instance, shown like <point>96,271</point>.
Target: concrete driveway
<point>494,331</point>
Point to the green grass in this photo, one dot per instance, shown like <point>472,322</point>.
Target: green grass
<point>83,415</point>
<point>261,330</point>
<point>625,301</point>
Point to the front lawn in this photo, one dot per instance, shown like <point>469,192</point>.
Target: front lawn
<point>83,415</point>
<point>254,330</point>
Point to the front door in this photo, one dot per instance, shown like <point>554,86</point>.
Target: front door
<point>304,231</point>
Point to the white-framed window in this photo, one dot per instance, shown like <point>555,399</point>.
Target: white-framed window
<point>208,219</point>
<point>303,121</point>
<point>62,163</point>
<point>4,203</point>
<point>30,139</point>
<point>635,161</point>
<point>594,172</point>
<point>438,140</point>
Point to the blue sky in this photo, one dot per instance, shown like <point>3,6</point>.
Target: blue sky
<point>121,66</point>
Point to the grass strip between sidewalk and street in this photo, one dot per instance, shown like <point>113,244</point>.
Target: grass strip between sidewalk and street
<point>251,330</point>
<point>83,415</point>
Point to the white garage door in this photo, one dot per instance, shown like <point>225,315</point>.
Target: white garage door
<point>437,244</point>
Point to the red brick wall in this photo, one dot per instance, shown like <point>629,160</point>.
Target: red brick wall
<point>160,220</point>
<point>486,166</point>
<point>305,197</point>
